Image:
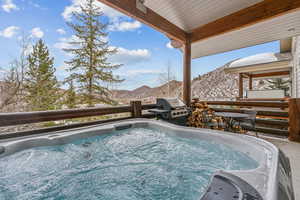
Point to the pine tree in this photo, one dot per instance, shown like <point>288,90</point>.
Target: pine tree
<point>70,100</point>
<point>279,83</point>
<point>41,84</point>
<point>90,66</point>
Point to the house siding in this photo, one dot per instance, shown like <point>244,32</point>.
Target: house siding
<point>296,67</point>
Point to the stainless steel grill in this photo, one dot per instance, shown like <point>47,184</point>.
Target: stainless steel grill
<point>172,110</point>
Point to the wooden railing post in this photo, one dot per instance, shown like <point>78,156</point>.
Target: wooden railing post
<point>136,109</point>
<point>294,119</point>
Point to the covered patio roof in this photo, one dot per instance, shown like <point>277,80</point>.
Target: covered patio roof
<point>218,27</point>
<point>203,27</point>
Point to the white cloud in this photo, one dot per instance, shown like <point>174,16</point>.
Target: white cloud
<point>9,32</point>
<point>110,12</point>
<point>28,50</point>
<point>34,4</point>
<point>61,31</point>
<point>75,7</point>
<point>116,18</point>
<point>126,56</point>
<point>169,45</point>
<point>125,26</point>
<point>64,43</point>
<point>37,32</point>
<point>123,55</point>
<point>9,6</point>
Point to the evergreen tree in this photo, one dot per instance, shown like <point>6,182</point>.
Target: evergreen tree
<point>41,84</point>
<point>89,66</point>
<point>70,100</point>
<point>279,83</point>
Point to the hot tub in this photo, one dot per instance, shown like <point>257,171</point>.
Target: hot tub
<point>143,159</point>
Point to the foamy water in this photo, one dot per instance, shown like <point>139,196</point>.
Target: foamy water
<point>133,164</point>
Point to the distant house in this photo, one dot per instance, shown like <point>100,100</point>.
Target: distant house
<point>285,64</point>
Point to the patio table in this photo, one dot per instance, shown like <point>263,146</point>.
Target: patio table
<point>230,119</point>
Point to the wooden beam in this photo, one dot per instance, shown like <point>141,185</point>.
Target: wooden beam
<point>275,123</point>
<point>294,120</point>
<point>245,75</point>
<point>241,86</point>
<point>128,7</point>
<point>286,45</point>
<point>273,131</point>
<point>270,74</point>
<point>248,104</point>
<point>265,99</point>
<point>250,82</point>
<point>260,113</point>
<point>187,73</point>
<point>254,14</point>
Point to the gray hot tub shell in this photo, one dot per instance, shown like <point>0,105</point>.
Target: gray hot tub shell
<point>271,179</point>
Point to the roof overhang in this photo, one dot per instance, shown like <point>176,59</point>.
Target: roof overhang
<point>261,64</point>
<point>254,69</point>
<point>277,28</point>
<point>214,26</point>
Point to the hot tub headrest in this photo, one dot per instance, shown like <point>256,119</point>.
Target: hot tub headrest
<point>228,186</point>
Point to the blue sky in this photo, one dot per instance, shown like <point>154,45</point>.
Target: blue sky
<point>143,51</point>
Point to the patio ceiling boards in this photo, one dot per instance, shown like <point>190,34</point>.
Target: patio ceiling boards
<point>271,30</point>
<point>192,14</point>
<point>216,26</point>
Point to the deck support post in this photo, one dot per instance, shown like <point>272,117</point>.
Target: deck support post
<point>136,109</point>
<point>187,71</point>
<point>294,119</point>
<point>241,87</point>
<point>250,82</point>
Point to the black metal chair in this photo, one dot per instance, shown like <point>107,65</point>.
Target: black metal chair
<point>249,122</point>
<point>209,122</point>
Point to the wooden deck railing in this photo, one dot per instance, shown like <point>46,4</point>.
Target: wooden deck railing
<point>281,118</point>
<point>12,119</point>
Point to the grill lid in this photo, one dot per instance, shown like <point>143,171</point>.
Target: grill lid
<point>170,103</point>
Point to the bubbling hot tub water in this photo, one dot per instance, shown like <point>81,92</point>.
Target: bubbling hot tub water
<point>133,164</point>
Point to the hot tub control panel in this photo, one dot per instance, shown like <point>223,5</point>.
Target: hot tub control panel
<point>225,186</point>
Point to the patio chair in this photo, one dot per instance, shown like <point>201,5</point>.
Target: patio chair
<point>249,122</point>
<point>207,119</point>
